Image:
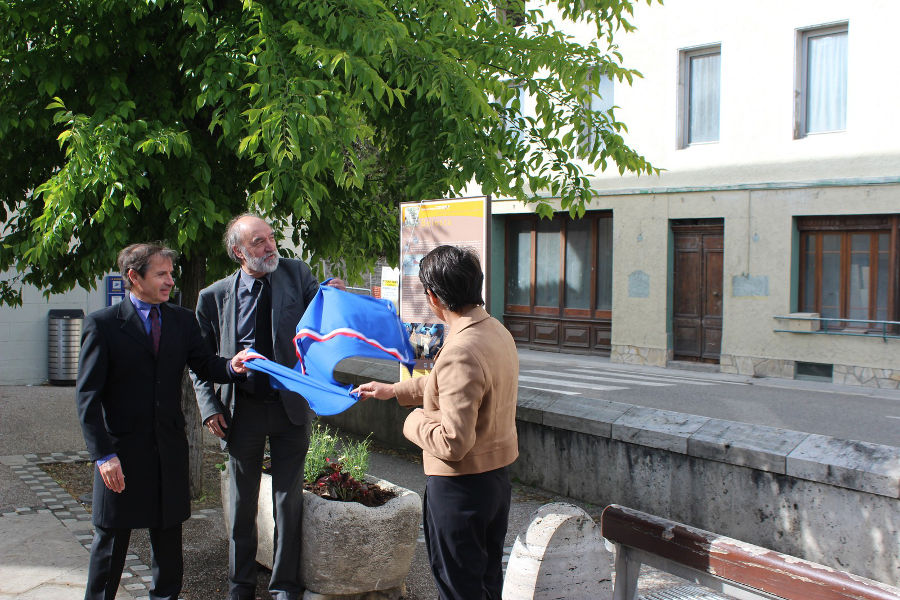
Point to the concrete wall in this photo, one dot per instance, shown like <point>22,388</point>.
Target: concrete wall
<point>832,501</point>
<point>23,331</point>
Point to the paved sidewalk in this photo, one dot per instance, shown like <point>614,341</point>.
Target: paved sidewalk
<point>44,545</point>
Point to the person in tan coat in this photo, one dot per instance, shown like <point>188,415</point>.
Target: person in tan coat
<point>466,427</point>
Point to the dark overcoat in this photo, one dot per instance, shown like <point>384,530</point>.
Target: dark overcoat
<point>129,403</point>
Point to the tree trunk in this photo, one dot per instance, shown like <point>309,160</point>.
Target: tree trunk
<point>193,277</point>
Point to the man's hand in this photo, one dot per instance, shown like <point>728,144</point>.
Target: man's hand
<point>375,389</point>
<point>111,472</point>
<point>216,424</point>
<point>237,363</point>
<point>337,283</point>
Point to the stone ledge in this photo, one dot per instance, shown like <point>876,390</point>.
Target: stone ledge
<point>744,444</point>
<point>532,405</point>
<point>854,465</point>
<point>655,428</point>
<point>585,415</point>
<point>863,466</point>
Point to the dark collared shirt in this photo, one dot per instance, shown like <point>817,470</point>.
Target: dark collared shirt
<point>245,325</point>
<point>143,311</point>
<point>246,310</point>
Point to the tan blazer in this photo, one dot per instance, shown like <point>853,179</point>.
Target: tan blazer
<point>467,423</point>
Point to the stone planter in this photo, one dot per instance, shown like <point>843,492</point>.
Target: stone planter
<point>350,551</point>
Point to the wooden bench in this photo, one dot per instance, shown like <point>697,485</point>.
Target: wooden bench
<point>725,565</point>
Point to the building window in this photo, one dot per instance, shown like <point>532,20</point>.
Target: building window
<point>518,277</point>
<point>700,85</point>
<point>849,267</point>
<point>560,267</point>
<point>822,81</point>
<point>514,111</point>
<point>599,102</point>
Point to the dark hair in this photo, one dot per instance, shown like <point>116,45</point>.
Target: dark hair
<point>454,275</point>
<point>138,256</point>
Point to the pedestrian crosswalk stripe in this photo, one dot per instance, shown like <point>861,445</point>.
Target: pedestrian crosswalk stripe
<point>581,385</point>
<point>672,378</point>
<point>614,379</point>
<point>567,393</point>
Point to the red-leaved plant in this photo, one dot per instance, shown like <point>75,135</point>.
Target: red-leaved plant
<point>337,484</point>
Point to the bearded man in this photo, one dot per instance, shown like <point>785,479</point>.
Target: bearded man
<point>259,305</point>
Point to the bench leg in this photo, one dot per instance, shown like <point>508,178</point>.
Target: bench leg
<point>627,570</point>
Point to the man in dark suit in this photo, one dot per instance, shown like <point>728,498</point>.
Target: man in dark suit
<point>128,396</point>
<point>259,306</point>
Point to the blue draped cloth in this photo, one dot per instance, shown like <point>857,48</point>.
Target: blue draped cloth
<point>335,326</point>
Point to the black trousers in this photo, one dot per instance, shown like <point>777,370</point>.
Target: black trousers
<point>252,423</point>
<point>465,520</point>
<point>108,551</point>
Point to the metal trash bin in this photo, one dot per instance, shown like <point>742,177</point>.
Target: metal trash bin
<point>64,345</point>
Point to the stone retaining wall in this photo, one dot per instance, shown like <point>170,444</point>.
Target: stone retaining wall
<point>832,501</point>
<point>639,355</point>
<point>866,376</point>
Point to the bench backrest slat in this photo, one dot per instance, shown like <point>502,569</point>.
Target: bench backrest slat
<point>779,574</point>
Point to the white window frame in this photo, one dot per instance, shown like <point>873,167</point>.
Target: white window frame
<point>684,92</point>
<point>801,87</point>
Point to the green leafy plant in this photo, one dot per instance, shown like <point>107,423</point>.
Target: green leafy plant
<point>355,457</point>
<point>340,476</point>
<point>322,445</point>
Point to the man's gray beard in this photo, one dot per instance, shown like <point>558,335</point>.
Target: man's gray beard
<point>259,264</point>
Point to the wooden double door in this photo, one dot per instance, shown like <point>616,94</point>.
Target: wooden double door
<point>697,279</point>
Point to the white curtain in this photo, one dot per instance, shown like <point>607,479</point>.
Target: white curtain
<point>826,82</point>
<point>703,125</point>
<point>547,268</point>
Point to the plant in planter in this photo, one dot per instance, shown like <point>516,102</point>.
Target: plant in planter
<point>343,478</point>
<point>359,533</point>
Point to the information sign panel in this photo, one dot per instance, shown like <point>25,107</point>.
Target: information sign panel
<point>424,226</point>
<point>115,289</point>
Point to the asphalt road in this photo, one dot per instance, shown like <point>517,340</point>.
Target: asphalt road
<point>847,412</point>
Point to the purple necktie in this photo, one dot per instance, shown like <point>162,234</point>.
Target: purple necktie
<point>155,328</point>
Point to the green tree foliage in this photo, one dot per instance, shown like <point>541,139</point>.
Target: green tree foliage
<point>128,120</point>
